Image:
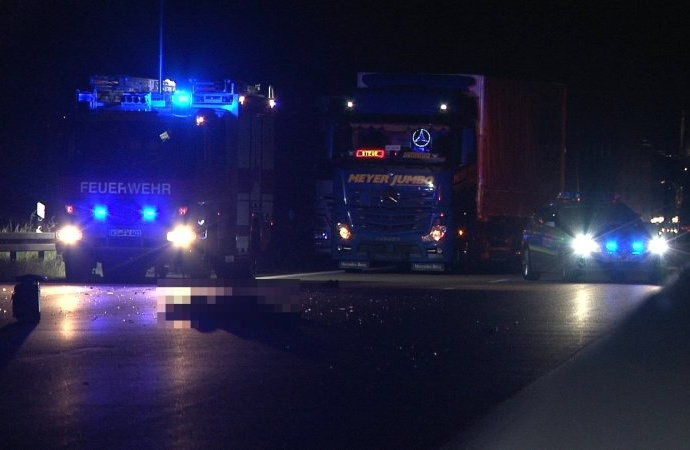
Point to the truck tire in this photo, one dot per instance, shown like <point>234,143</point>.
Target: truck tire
<point>528,272</point>
<point>78,269</point>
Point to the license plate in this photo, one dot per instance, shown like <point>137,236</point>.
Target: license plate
<point>125,233</point>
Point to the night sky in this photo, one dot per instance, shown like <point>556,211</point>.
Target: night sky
<point>625,63</point>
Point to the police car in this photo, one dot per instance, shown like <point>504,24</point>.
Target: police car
<point>578,234</point>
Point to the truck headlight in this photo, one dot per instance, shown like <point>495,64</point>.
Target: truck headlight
<point>181,236</point>
<point>69,234</point>
<point>436,234</point>
<point>344,232</point>
<point>584,245</point>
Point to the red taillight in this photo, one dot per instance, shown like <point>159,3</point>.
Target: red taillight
<point>182,210</point>
<point>69,209</point>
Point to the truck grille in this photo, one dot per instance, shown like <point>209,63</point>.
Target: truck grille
<point>391,211</point>
<point>389,251</point>
<point>392,220</point>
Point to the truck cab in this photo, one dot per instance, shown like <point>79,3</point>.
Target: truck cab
<point>166,180</point>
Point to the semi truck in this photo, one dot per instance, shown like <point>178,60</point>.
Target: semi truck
<point>161,179</point>
<point>440,172</point>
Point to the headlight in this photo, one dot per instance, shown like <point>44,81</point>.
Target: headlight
<point>584,245</point>
<point>658,245</point>
<point>344,231</point>
<point>69,234</point>
<point>181,236</point>
<point>436,234</point>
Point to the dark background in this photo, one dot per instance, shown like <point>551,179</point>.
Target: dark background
<point>624,63</point>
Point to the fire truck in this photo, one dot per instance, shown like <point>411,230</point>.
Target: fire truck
<point>440,172</point>
<point>163,179</point>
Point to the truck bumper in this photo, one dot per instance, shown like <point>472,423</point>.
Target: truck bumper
<point>420,256</point>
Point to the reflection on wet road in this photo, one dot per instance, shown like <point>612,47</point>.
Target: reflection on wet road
<point>375,361</point>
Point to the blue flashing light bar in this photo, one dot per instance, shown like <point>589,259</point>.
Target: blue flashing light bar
<point>100,212</point>
<point>143,94</point>
<point>181,103</point>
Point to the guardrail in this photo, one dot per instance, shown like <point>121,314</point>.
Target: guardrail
<point>27,242</point>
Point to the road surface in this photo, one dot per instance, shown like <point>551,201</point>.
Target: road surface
<point>374,361</point>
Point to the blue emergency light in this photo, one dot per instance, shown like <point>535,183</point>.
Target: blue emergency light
<point>612,246</point>
<point>638,247</point>
<point>181,103</point>
<point>100,212</point>
<point>149,213</point>
<point>182,98</point>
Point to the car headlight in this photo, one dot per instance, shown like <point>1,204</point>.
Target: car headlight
<point>584,245</point>
<point>658,245</point>
<point>69,234</point>
<point>182,236</point>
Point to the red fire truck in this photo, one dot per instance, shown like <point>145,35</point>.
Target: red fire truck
<point>161,178</point>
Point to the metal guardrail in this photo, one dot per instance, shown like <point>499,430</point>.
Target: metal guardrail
<point>27,242</point>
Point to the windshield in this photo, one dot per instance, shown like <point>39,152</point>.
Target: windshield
<point>131,145</point>
<point>598,219</point>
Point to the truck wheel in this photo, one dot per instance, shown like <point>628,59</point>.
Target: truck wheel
<point>528,272</point>
<point>78,270</point>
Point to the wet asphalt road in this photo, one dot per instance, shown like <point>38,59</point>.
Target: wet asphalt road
<point>373,361</point>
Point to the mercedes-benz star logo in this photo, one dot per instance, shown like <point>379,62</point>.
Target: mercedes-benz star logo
<point>421,137</point>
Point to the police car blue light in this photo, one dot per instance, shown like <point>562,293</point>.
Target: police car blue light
<point>638,247</point>
<point>611,246</point>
